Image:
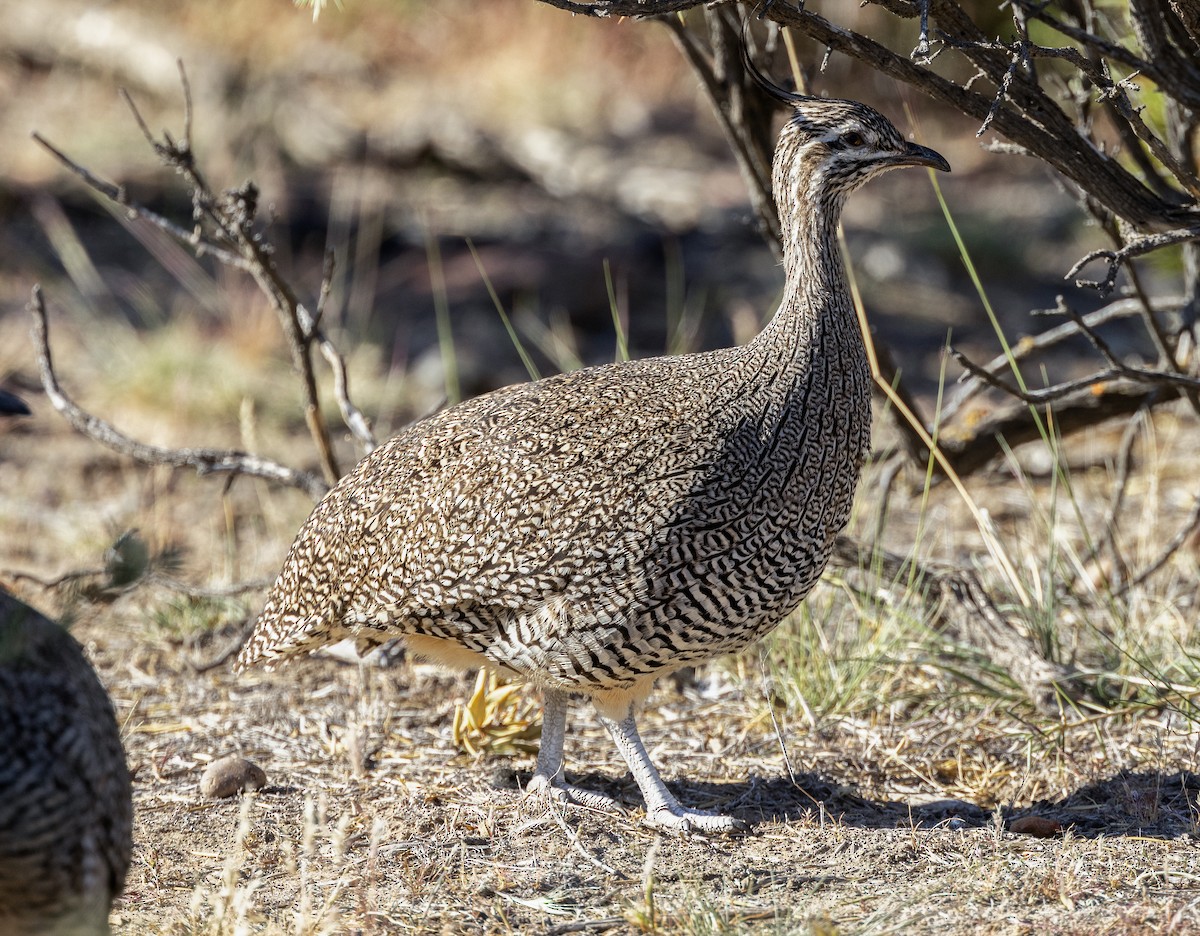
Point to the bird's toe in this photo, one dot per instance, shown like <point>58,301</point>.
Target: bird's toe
<point>559,791</point>
<point>688,821</point>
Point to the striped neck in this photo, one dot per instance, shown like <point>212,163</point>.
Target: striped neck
<point>816,310</point>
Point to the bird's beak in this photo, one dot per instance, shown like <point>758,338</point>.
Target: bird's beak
<point>916,155</point>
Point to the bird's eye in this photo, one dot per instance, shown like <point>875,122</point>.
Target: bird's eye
<point>853,138</point>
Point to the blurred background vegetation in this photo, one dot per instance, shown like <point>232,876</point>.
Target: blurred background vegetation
<point>395,132</point>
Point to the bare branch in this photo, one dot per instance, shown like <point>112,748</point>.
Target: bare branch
<point>971,446</point>
<point>1001,93</point>
<point>233,218</point>
<point>1094,338</point>
<point>352,416</point>
<point>1124,463</point>
<point>921,51</point>
<point>1117,94</point>
<point>1189,16</point>
<point>1034,121</point>
<point>117,194</point>
<point>1116,369</point>
<point>74,575</point>
<point>637,8</point>
<point>203,461</point>
<point>233,241</point>
<point>1135,248</point>
<point>1035,397</point>
<point>168,582</point>
<point>1031,344</point>
<point>356,422</point>
<point>724,83</point>
<point>1038,10</point>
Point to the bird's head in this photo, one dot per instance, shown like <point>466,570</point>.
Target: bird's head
<point>836,146</point>
<point>829,147</point>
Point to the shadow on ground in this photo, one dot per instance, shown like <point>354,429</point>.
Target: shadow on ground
<point>1140,804</point>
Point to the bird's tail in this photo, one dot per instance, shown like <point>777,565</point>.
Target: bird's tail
<point>279,636</point>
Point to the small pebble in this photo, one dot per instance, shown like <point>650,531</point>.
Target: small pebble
<point>231,775</point>
<point>1037,826</point>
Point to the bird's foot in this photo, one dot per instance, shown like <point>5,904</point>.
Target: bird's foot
<point>677,820</point>
<point>556,789</point>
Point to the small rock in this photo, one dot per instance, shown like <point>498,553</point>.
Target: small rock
<point>1037,826</point>
<point>230,775</point>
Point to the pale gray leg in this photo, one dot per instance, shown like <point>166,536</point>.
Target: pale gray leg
<point>662,809</point>
<point>547,779</point>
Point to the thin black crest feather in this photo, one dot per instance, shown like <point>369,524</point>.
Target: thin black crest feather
<point>783,96</point>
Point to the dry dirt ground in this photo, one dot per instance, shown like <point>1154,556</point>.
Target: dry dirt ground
<point>870,834</point>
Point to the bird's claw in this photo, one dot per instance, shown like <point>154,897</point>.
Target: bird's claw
<point>556,789</point>
<point>683,822</point>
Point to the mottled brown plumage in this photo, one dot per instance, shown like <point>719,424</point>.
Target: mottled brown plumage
<point>594,531</point>
<point>65,800</point>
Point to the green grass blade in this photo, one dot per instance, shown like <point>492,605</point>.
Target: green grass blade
<point>622,340</point>
<point>530,367</point>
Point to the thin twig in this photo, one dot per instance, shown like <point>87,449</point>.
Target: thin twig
<point>921,51</point>
<point>203,461</point>
<point>719,88</point>
<point>1094,338</point>
<point>1069,387</point>
<point>1108,540</point>
<point>352,416</point>
<point>117,194</point>
<point>52,583</point>
<point>1135,248</point>
<point>1117,369</point>
<point>232,240</point>
<point>970,386</point>
<point>233,217</point>
<point>1166,355</point>
<point>635,8</point>
<point>1001,94</point>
